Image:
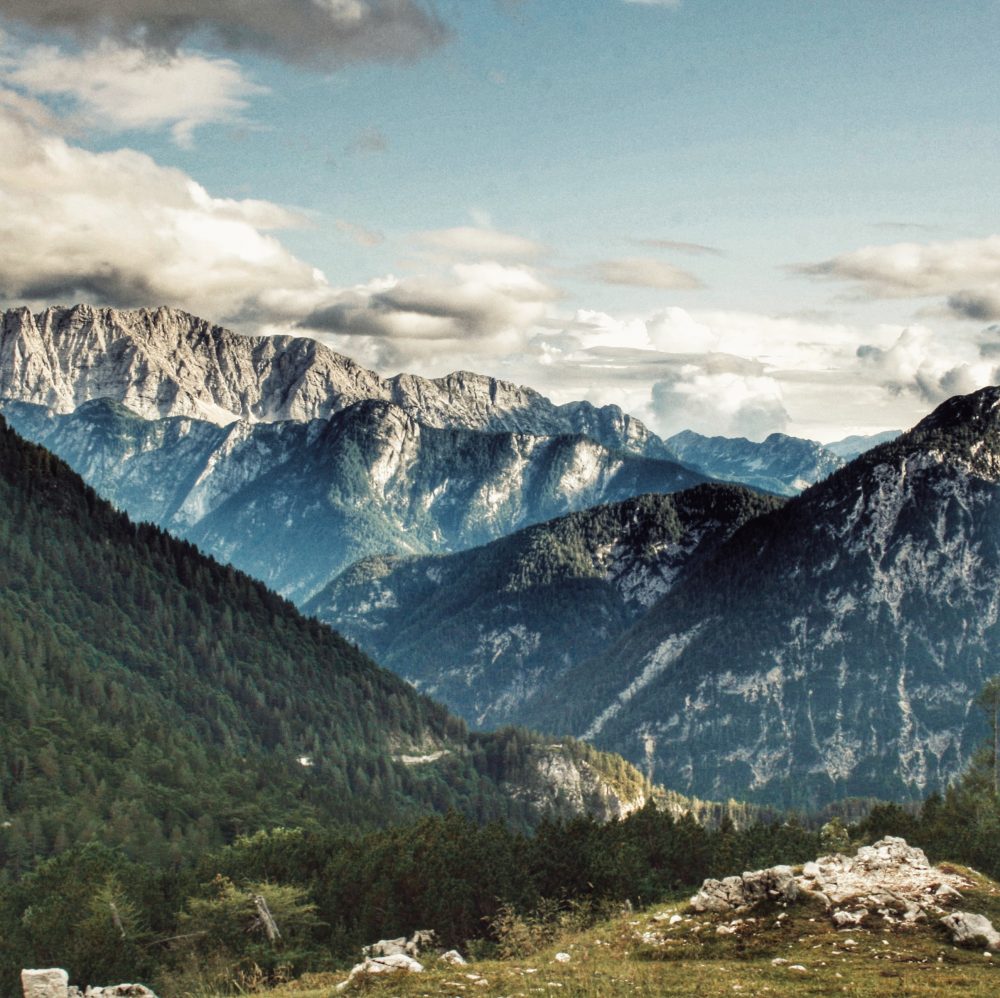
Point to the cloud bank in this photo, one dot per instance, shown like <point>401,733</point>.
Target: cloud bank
<point>321,33</point>
<point>965,271</point>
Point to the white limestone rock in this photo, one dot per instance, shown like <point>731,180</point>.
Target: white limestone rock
<point>392,964</point>
<point>52,982</point>
<point>968,929</point>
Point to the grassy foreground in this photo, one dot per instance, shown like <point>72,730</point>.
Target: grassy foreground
<point>793,951</point>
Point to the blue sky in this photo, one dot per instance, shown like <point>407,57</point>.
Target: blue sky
<point>739,216</point>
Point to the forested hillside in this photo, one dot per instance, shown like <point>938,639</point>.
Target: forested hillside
<point>154,699</point>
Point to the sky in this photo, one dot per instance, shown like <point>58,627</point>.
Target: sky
<point>734,216</point>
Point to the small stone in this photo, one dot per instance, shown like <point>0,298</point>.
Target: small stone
<point>453,957</point>
<point>674,919</point>
<point>778,961</point>
<point>562,958</point>
<point>798,968</point>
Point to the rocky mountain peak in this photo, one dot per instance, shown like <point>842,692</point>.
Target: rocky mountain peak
<point>164,362</point>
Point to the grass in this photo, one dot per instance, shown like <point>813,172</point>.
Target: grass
<point>644,954</point>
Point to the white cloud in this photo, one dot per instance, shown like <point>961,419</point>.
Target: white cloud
<point>643,272</point>
<point>472,314</point>
<point>116,88</point>
<point>967,271</point>
<point>725,404</point>
<point>117,228</point>
<point>481,241</point>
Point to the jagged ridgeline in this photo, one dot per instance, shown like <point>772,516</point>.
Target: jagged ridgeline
<point>486,629</point>
<point>155,699</point>
<point>290,461</point>
<point>830,648</point>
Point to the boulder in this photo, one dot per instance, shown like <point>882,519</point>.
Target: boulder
<point>968,929</point>
<point>386,947</point>
<point>394,963</point>
<point>776,883</point>
<point>50,983</point>
<point>453,957</point>
<point>414,946</point>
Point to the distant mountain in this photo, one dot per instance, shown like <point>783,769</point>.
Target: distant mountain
<point>164,362</point>
<point>159,701</point>
<point>485,629</point>
<point>850,447</point>
<point>780,464</point>
<point>830,648</point>
<point>293,503</point>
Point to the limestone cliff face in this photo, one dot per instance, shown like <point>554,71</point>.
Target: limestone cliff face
<point>295,502</point>
<point>163,362</point>
<point>830,648</point>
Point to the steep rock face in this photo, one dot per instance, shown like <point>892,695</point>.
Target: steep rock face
<point>830,648</point>
<point>293,503</point>
<point>163,362</point>
<point>484,629</point>
<point>780,464</point>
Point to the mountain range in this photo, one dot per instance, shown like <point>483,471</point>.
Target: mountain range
<point>831,647</point>
<point>728,642</point>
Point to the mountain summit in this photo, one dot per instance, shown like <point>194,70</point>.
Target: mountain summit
<point>164,362</point>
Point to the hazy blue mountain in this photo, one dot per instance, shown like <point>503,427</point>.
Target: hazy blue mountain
<point>295,502</point>
<point>780,464</point>
<point>850,447</point>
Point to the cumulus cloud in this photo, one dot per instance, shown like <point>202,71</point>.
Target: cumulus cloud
<point>916,364</point>
<point>966,271</point>
<point>643,272</point>
<point>722,404</point>
<point>982,306</point>
<point>116,88</point>
<point>479,310</point>
<point>324,33</point>
<point>481,241</point>
<point>117,228</point>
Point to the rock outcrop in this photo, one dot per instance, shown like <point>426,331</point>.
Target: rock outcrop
<point>390,956</point>
<point>889,879</point>
<point>52,982</point>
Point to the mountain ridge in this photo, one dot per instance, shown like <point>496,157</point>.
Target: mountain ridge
<point>165,362</point>
<point>295,502</point>
<point>859,623</point>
